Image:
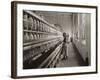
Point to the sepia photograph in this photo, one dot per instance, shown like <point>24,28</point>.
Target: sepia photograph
<point>53,39</point>
<point>56,39</point>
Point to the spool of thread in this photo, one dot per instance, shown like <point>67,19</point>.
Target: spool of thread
<point>35,25</point>
<point>31,37</point>
<point>26,37</point>
<point>25,21</point>
<point>30,23</point>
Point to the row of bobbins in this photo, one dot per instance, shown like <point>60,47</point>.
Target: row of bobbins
<point>34,28</point>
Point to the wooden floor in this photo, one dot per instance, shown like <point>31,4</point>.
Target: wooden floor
<point>72,60</point>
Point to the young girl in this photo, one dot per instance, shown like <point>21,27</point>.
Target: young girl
<point>65,45</point>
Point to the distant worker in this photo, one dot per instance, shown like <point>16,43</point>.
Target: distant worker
<point>65,45</point>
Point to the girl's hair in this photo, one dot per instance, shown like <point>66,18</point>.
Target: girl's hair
<point>65,35</point>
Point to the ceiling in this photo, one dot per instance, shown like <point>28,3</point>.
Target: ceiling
<point>62,19</point>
